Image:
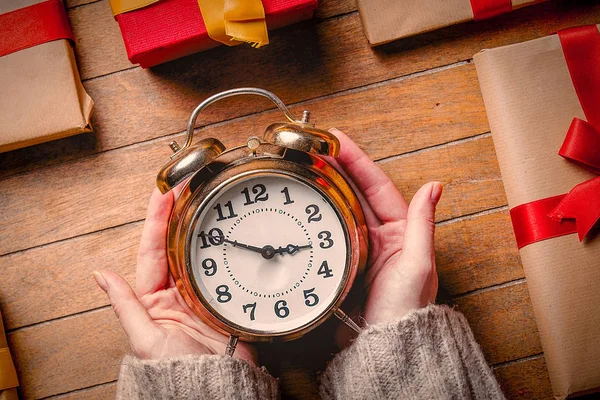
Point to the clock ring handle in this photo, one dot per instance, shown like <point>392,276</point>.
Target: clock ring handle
<point>224,95</point>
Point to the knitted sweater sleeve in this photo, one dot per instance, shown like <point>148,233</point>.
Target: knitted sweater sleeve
<point>194,377</point>
<point>429,354</point>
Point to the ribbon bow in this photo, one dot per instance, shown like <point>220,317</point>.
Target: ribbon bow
<point>582,203</point>
<point>581,47</point>
<point>230,22</point>
<point>579,210</point>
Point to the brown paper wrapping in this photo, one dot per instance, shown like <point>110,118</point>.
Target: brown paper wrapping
<point>530,102</point>
<point>8,375</point>
<point>42,97</point>
<point>388,20</point>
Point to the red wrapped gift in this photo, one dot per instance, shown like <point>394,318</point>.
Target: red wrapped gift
<point>169,29</point>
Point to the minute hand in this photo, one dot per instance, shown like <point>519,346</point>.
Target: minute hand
<point>220,239</point>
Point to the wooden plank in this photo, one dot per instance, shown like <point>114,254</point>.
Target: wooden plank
<point>527,380</point>
<point>85,350</point>
<point>98,38</point>
<point>459,42</point>
<point>305,61</point>
<point>68,354</point>
<point>327,8</point>
<point>390,119</point>
<point>468,170</point>
<point>101,392</point>
<point>503,326</point>
<point>112,189</point>
<point>54,281</point>
<point>330,8</point>
<point>78,3</point>
<point>476,253</point>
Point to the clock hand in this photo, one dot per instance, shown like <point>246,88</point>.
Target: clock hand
<point>267,251</point>
<point>220,239</point>
<point>291,249</point>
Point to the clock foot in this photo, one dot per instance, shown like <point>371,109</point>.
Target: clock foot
<point>346,319</point>
<point>230,349</point>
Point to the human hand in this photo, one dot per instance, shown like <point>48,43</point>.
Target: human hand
<point>156,319</point>
<point>401,275</point>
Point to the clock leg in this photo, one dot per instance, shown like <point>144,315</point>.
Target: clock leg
<point>233,341</point>
<point>346,319</point>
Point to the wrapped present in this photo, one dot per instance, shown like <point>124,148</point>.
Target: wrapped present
<point>156,31</point>
<point>8,374</point>
<point>388,20</point>
<point>42,97</point>
<point>542,98</point>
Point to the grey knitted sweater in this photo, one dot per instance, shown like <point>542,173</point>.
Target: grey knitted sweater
<point>428,354</point>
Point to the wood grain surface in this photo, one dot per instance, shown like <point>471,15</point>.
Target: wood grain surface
<point>77,204</point>
<point>75,352</point>
<point>112,188</point>
<point>54,281</point>
<point>134,104</point>
<point>525,379</point>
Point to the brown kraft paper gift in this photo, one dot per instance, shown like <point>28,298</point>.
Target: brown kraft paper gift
<point>530,102</point>
<point>388,20</point>
<point>42,97</point>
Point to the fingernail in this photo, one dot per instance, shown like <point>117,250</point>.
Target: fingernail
<point>335,131</point>
<point>100,280</point>
<point>436,192</point>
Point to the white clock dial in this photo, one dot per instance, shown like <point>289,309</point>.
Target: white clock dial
<point>269,254</point>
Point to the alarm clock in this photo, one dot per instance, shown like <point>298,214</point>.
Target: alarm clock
<point>265,239</point>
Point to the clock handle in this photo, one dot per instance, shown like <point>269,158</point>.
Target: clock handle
<point>346,319</point>
<point>231,345</point>
<point>224,95</point>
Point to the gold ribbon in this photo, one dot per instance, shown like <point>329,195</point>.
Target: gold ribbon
<point>8,375</point>
<point>123,6</point>
<point>230,22</point>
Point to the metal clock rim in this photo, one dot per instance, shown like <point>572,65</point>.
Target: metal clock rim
<point>224,187</point>
<point>181,219</point>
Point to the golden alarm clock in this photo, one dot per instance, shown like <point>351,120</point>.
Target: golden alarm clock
<point>265,239</point>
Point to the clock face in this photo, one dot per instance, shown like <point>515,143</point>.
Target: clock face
<point>269,254</point>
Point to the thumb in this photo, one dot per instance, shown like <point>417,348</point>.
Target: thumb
<point>135,320</point>
<point>418,243</point>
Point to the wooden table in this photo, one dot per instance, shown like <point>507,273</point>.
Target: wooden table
<point>78,204</point>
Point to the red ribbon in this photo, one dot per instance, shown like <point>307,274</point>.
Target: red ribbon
<point>579,210</point>
<point>33,25</point>
<point>484,9</point>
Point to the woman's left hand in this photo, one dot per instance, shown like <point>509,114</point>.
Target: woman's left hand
<point>155,317</point>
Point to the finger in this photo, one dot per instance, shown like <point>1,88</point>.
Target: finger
<point>418,245</point>
<point>152,269</point>
<point>370,217</point>
<point>135,320</point>
<point>379,190</point>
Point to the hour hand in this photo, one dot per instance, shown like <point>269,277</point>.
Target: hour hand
<point>291,249</point>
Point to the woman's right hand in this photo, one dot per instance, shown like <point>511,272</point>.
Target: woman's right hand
<point>401,274</point>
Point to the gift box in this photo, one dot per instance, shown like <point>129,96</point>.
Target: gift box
<point>8,374</point>
<point>168,29</point>
<point>42,97</point>
<point>388,20</point>
<point>542,101</point>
